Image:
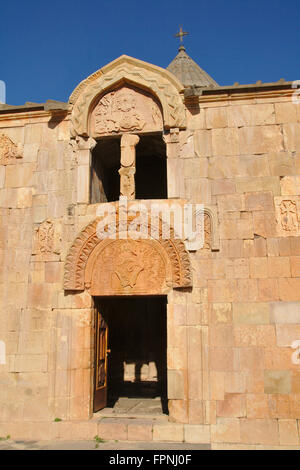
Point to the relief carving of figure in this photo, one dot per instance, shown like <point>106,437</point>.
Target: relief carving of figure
<point>116,112</point>
<point>125,110</point>
<point>128,266</point>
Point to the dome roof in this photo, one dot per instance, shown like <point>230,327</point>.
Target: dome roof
<point>188,72</point>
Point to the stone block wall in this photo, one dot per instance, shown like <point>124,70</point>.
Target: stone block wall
<point>241,155</point>
<point>46,333</point>
<point>232,364</point>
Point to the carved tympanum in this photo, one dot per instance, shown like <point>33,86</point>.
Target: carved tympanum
<point>124,265</point>
<point>157,81</point>
<point>9,151</point>
<point>128,267</point>
<point>125,110</point>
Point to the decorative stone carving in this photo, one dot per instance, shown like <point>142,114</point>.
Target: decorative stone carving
<point>125,110</point>
<point>287,210</point>
<point>207,233</point>
<point>289,218</point>
<point>127,170</point>
<point>211,230</point>
<point>46,237</point>
<point>155,80</point>
<point>150,266</point>
<point>47,241</point>
<point>128,267</point>
<point>8,150</point>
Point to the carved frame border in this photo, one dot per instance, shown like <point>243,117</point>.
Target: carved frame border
<point>159,82</point>
<point>87,241</point>
<point>215,235</point>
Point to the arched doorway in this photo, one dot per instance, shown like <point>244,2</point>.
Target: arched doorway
<point>131,353</point>
<point>128,279</point>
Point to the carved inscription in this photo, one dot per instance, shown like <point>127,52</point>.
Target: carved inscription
<point>125,110</point>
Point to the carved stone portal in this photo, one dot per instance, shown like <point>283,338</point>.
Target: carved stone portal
<point>124,265</point>
<point>125,110</point>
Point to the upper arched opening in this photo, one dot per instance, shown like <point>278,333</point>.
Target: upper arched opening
<point>147,83</point>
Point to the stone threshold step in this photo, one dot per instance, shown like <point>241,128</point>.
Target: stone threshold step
<point>109,429</point>
<point>124,429</point>
<point>159,417</point>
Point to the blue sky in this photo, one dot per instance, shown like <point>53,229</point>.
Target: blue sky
<point>48,47</point>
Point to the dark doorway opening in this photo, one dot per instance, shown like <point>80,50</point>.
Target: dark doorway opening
<point>137,347</point>
<point>151,169</point>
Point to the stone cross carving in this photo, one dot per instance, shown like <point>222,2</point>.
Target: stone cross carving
<point>127,170</point>
<point>289,220</point>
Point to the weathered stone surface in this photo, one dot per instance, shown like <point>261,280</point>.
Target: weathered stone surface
<point>291,136</point>
<point>170,432</point>
<point>286,112</point>
<point>194,433</point>
<point>225,142</point>
<point>226,430</point>
<point>251,115</point>
<point>256,313</point>
<point>233,405</point>
<point>277,381</point>
<point>261,139</point>
<point>216,117</point>
<point>259,431</point>
<point>288,432</point>
<point>203,143</point>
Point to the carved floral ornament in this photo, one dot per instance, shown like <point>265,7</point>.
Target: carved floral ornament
<point>127,71</point>
<point>125,266</point>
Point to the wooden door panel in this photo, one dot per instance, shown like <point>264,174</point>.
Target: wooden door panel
<point>101,336</point>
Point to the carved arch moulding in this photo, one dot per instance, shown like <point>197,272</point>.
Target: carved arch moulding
<point>154,80</point>
<point>124,265</point>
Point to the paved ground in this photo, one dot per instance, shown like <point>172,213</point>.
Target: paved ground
<point>91,445</point>
<point>133,407</point>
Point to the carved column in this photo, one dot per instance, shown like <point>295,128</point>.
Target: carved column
<point>84,148</point>
<point>175,168</point>
<point>127,170</point>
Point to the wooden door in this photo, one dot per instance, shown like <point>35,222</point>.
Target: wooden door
<point>101,337</point>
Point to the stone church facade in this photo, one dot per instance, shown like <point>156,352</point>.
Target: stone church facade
<point>222,332</point>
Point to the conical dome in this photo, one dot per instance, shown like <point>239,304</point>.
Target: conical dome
<point>188,72</point>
